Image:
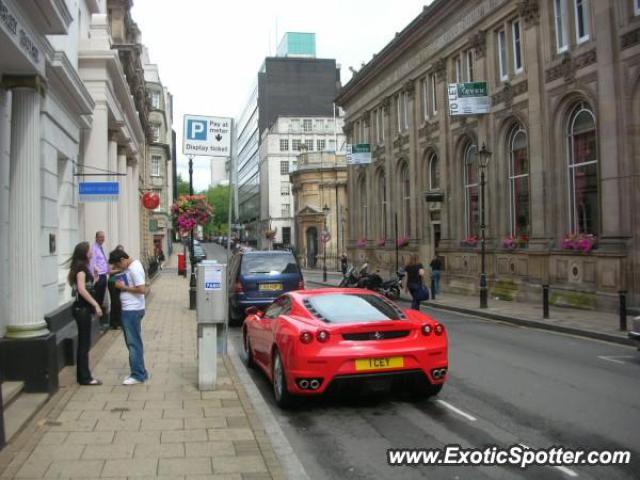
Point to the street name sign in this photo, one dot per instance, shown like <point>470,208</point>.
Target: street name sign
<point>470,98</point>
<point>98,191</point>
<point>358,154</point>
<point>206,136</point>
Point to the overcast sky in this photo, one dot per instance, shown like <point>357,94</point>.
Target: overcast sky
<point>209,51</point>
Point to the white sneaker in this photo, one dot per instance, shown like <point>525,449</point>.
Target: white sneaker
<point>131,381</point>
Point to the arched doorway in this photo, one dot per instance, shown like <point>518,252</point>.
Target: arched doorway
<point>312,247</point>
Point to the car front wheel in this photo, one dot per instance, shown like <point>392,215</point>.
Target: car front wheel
<point>248,353</point>
<point>282,396</point>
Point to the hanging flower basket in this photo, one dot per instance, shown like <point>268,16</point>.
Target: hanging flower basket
<point>580,242</point>
<point>191,211</point>
<point>512,242</point>
<point>402,242</point>
<point>381,242</point>
<point>270,233</point>
<point>471,241</point>
<point>361,243</point>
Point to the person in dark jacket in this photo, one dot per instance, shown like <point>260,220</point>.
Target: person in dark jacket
<point>85,305</point>
<point>414,279</point>
<point>436,267</point>
<point>115,309</point>
<point>344,263</point>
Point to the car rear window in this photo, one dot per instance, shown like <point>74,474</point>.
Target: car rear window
<point>268,264</point>
<point>352,308</point>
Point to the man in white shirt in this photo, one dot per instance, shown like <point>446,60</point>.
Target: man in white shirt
<point>131,283</point>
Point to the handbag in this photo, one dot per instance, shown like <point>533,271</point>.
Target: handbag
<point>420,293</point>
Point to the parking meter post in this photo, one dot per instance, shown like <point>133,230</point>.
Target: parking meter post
<point>211,315</point>
<point>623,310</point>
<point>545,301</point>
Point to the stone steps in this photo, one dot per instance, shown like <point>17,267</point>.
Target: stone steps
<point>19,407</point>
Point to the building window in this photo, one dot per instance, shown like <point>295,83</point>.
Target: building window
<point>295,145</point>
<point>155,99</point>
<point>434,97</point>
<point>434,172</point>
<point>362,193</point>
<point>306,125</point>
<point>470,65</point>
<point>471,187</point>
<point>319,125</point>
<point>636,7</point>
<point>405,188</point>
<point>284,167</point>
<point>380,127</point>
<point>284,189</point>
<point>286,235</point>
<point>295,125</point>
<point>382,192</point>
<point>520,216</point>
<point>560,10</point>
<point>399,111</point>
<point>155,133</point>
<point>583,28</point>
<point>321,145</point>
<point>583,171</point>
<point>517,46</point>
<point>285,210</point>
<point>284,145</point>
<point>458,63</point>
<point>424,84</point>
<point>405,111</point>
<point>156,163</point>
<point>502,55</point>
<point>308,144</point>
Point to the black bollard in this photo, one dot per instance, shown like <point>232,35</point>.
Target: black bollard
<point>545,301</point>
<point>623,310</point>
<point>433,288</point>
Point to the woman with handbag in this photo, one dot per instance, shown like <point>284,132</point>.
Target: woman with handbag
<point>415,281</point>
<point>81,280</point>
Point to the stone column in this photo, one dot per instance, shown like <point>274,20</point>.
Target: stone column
<point>96,160</point>
<point>113,236</point>
<point>123,200</point>
<point>25,285</point>
<point>135,210</point>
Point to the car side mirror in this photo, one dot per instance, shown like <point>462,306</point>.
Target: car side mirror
<point>253,310</point>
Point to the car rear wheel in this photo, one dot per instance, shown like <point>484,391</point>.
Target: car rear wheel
<point>248,353</point>
<point>282,396</point>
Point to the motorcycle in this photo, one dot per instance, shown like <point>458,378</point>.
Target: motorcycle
<point>389,288</point>
<point>351,278</point>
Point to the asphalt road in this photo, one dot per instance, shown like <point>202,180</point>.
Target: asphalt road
<point>507,385</point>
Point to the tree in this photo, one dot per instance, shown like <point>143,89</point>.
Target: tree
<point>183,186</point>
<point>218,197</point>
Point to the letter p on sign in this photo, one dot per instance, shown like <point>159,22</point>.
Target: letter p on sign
<point>197,130</point>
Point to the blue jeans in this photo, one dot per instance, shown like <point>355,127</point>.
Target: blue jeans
<point>435,274</point>
<point>132,327</point>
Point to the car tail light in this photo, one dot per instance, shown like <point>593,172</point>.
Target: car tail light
<point>426,329</point>
<point>301,285</point>
<point>323,336</point>
<point>439,329</point>
<point>238,288</point>
<point>306,337</point>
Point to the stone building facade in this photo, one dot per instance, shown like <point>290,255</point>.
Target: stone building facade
<point>319,189</point>
<point>564,81</point>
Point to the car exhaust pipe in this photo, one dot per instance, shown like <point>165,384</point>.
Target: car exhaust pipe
<point>314,384</point>
<point>436,374</point>
<point>304,384</point>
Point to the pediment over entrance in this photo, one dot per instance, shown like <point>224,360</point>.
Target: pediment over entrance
<point>309,210</point>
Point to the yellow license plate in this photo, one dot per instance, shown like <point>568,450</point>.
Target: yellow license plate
<point>270,287</point>
<point>379,363</point>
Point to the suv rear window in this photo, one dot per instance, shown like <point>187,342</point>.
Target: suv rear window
<point>268,264</point>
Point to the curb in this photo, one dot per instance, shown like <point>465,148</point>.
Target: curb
<point>606,337</point>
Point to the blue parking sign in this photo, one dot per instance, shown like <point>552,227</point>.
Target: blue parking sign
<point>196,129</point>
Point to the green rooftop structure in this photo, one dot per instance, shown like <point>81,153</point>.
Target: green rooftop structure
<point>297,44</point>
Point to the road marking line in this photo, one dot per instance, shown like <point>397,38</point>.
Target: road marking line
<point>612,358</point>
<point>457,410</point>
<point>565,470</point>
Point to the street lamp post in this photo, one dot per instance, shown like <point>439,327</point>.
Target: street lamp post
<point>325,210</point>
<point>192,279</point>
<point>483,161</point>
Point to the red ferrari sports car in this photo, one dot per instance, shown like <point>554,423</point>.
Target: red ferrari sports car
<point>310,340</point>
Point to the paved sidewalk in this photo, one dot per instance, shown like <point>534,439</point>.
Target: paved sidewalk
<point>587,323</point>
<point>165,428</point>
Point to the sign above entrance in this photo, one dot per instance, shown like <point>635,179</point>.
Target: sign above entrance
<point>469,98</point>
<point>206,136</point>
<point>98,191</point>
<point>358,154</point>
